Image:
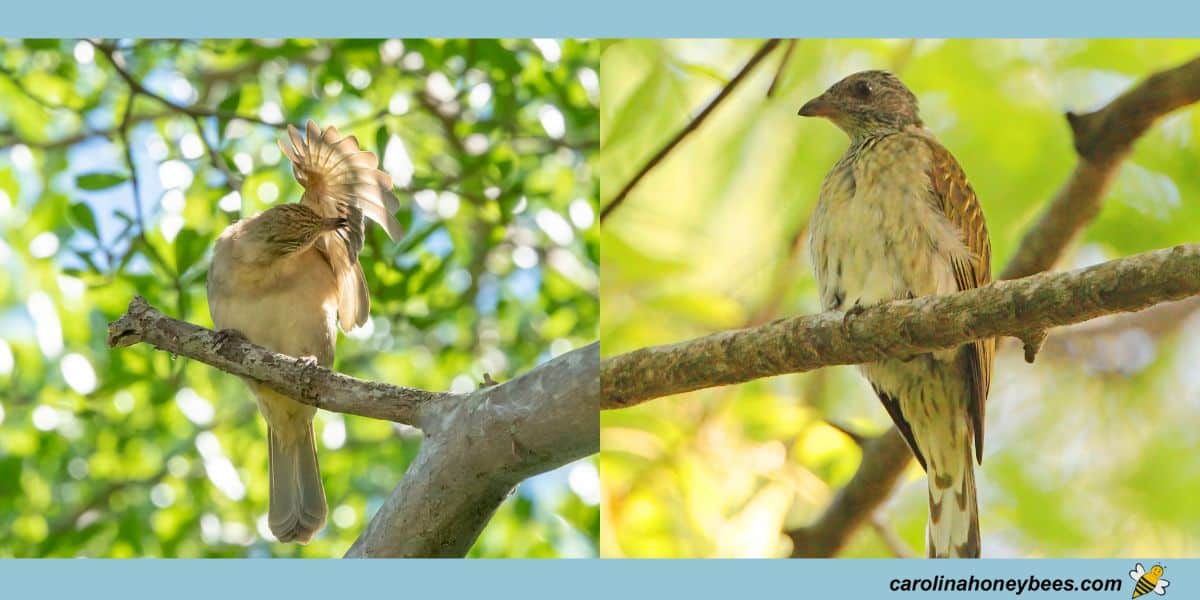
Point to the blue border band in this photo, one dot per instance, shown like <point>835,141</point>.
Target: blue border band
<point>573,579</point>
<point>596,18</point>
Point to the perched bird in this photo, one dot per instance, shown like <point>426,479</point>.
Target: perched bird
<point>284,279</point>
<point>896,218</point>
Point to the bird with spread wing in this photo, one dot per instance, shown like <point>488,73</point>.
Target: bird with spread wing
<point>286,279</point>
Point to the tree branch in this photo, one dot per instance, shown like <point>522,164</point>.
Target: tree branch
<point>883,460</point>
<point>902,328</point>
<point>762,53</point>
<point>782,68</point>
<point>116,62</point>
<point>1103,139</point>
<point>311,385</point>
<point>479,450</point>
<point>477,447</point>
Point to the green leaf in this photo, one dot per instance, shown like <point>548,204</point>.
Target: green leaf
<point>228,105</point>
<point>81,216</point>
<point>86,257</point>
<point>417,237</point>
<point>405,217</point>
<point>381,139</point>
<point>189,247</point>
<point>100,180</point>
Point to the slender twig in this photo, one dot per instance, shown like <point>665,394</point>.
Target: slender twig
<point>890,538</point>
<point>233,180</point>
<point>692,126</point>
<point>781,70</point>
<point>82,136</point>
<point>193,110</point>
<point>446,122</point>
<point>46,103</point>
<point>147,247</point>
<point>371,118</point>
<point>138,211</point>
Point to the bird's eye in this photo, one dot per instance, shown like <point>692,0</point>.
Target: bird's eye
<point>862,89</point>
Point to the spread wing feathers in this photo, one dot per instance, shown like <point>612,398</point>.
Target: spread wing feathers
<point>337,174</point>
<point>958,203</point>
<point>341,180</point>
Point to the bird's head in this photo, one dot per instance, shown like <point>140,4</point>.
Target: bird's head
<point>866,103</point>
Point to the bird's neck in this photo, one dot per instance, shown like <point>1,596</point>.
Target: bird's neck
<point>861,136</point>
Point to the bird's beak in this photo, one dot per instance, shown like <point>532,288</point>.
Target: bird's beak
<point>818,107</point>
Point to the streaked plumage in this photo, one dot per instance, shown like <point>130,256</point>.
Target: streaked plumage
<point>285,279</point>
<point>896,218</point>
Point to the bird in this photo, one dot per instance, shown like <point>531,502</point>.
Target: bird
<point>897,219</point>
<point>285,279</point>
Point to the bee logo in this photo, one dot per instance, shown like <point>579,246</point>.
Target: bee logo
<point>1148,581</point>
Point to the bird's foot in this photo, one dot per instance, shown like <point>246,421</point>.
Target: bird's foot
<point>308,367</point>
<point>851,312</point>
<point>225,336</point>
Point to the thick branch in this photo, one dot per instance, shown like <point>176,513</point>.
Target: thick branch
<point>478,446</point>
<point>1103,139</point>
<point>480,449</point>
<point>902,328</point>
<point>883,460</point>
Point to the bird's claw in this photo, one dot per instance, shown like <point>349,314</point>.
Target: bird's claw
<point>308,362</point>
<point>225,336</point>
<point>853,311</point>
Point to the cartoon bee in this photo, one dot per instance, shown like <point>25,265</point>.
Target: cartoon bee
<point>1148,580</point>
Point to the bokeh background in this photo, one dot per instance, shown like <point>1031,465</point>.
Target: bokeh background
<point>1094,451</point>
<point>133,453</point>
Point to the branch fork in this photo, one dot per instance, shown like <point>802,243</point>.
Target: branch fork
<point>478,446</point>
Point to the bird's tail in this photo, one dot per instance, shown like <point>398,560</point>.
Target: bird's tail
<point>297,508</point>
<point>953,529</point>
<point>341,180</point>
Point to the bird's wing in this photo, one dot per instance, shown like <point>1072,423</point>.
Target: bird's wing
<point>955,198</point>
<point>341,180</point>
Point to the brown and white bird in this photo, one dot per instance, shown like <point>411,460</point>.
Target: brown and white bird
<point>284,279</point>
<point>896,218</point>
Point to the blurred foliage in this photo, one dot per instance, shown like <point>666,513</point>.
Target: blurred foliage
<point>1092,451</point>
<point>133,453</point>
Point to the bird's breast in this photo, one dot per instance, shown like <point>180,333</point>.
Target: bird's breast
<point>289,306</point>
<point>874,236</point>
